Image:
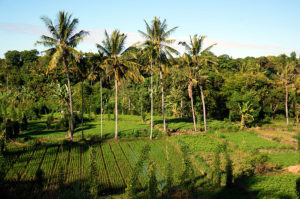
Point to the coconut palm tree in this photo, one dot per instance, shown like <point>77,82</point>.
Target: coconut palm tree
<point>199,57</point>
<point>157,34</point>
<point>148,54</point>
<point>189,74</point>
<point>101,75</point>
<point>82,72</point>
<point>62,43</point>
<point>119,62</point>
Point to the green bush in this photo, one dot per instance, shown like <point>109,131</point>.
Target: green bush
<point>49,121</point>
<point>152,187</point>
<point>258,161</point>
<point>144,117</point>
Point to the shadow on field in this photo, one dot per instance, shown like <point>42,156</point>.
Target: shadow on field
<point>175,120</point>
<point>38,128</point>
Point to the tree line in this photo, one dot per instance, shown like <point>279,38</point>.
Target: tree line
<point>147,77</point>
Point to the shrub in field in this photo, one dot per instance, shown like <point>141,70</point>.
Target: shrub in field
<point>258,161</point>
<point>132,188</point>
<point>49,121</point>
<point>144,117</point>
<point>152,187</point>
<point>63,123</point>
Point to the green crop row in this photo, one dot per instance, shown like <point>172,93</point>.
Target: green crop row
<point>277,187</point>
<point>249,141</point>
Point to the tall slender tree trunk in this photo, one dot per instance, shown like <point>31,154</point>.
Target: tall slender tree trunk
<point>70,97</point>
<point>101,109</point>
<point>286,104</point>
<point>181,105</point>
<point>116,106</point>
<point>162,99</point>
<point>82,109</point>
<point>203,104</point>
<point>190,91</point>
<point>151,122</point>
<point>129,106</point>
<point>242,122</point>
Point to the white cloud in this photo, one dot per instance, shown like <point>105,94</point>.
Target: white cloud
<point>235,49</point>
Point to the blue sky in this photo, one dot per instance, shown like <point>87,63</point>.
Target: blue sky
<point>239,27</point>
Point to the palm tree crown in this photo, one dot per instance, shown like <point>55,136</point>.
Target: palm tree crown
<point>64,39</point>
<point>119,62</point>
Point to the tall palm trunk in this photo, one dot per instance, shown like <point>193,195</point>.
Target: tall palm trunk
<point>181,105</point>
<point>162,99</point>
<point>70,96</point>
<point>116,106</point>
<point>203,104</point>
<point>82,109</point>
<point>151,123</point>
<point>190,90</point>
<point>101,108</point>
<point>286,104</point>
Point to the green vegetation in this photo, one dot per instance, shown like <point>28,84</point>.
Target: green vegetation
<point>249,141</point>
<point>184,126</point>
<point>276,186</point>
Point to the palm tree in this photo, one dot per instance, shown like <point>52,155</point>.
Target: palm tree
<point>119,62</point>
<point>82,71</point>
<point>187,60</point>
<point>157,35</point>
<point>62,43</point>
<point>148,54</point>
<point>287,74</point>
<point>199,57</point>
<point>101,70</point>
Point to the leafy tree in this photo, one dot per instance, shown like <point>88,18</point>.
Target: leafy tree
<point>245,113</point>
<point>194,49</point>
<point>62,47</point>
<point>286,68</point>
<point>120,62</point>
<point>157,35</point>
<point>148,53</point>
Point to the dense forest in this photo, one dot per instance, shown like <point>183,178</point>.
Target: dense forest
<point>151,88</point>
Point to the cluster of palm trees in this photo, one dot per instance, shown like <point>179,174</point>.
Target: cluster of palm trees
<point>120,62</point>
